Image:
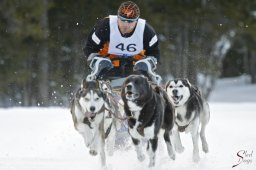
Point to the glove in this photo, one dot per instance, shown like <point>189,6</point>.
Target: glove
<point>148,65</point>
<point>154,60</point>
<point>91,56</point>
<point>97,65</point>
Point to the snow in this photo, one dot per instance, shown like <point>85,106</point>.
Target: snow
<point>45,139</point>
<point>236,89</point>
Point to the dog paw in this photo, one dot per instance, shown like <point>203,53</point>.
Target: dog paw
<point>179,149</point>
<point>205,148</point>
<point>93,152</point>
<point>151,164</point>
<point>110,152</point>
<point>141,157</point>
<point>196,158</point>
<point>87,144</point>
<point>173,156</point>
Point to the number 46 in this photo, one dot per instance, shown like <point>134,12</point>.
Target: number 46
<point>130,47</point>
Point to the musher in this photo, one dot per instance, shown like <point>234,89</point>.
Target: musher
<point>122,44</point>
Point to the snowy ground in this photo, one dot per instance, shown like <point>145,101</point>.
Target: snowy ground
<point>236,89</point>
<point>44,139</point>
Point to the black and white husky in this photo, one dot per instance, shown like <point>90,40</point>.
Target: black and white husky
<point>191,111</point>
<point>92,120</point>
<point>148,110</point>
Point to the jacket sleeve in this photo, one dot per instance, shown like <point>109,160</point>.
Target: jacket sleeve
<point>97,37</point>
<point>150,42</point>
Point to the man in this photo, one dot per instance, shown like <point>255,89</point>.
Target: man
<point>122,44</point>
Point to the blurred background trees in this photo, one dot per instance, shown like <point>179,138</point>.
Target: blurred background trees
<point>41,41</point>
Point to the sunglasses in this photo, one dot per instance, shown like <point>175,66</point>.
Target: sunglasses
<point>127,20</point>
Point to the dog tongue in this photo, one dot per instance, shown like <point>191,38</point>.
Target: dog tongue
<point>89,114</point>
<point>175,98</point>
<point>129,93</point>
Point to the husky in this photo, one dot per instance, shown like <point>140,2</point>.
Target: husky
<point>90,111</point>
<point>191,111</point>
<point>148,110</point>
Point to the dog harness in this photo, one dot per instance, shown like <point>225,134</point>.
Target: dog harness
<point>182,128</point>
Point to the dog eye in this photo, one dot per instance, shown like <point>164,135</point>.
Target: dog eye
<point>87,99</point>
<point>97,98</point>
<point>181,85</point>
<point>170,86</point>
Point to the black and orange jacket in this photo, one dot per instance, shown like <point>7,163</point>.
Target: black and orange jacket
<point>102,31</point>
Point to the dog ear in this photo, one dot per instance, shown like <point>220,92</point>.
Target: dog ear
<point>123,91</point>
<point>186,82</point>
<point>78,93</point>
<point>196,90</point>
<point>104,95</point>
<point>83,84</point>
<point>108,82</point>
<point>167,84</point>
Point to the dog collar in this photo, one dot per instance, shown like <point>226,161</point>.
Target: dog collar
<point>182,128</point>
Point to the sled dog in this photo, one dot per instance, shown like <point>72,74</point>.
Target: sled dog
<point>90,111</point>
<point>148,110</point>
<point>191,111</point>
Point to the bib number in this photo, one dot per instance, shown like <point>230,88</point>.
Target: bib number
<point>129,47</point>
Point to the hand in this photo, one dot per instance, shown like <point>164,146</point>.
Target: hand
<point>97,65</point>
<point>153,59</point>
<point>91,56</point>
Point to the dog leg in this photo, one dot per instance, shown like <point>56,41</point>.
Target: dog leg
<point>138,149</point>
<point>94,147</point>
<point>111,139</point>
<point>177,142</point>
<point>103,155</point>
<point>169,144</point>
<point>203,139</point>
<point>205,117</point>
<point>195,137</point>
<point>152,146</point>
<point>85,131</point>
<point>102,144</point>
<point>95,143</point>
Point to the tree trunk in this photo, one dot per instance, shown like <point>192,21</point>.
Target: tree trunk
<point>181,62</point>
<point>43,59</point>
<point>246,64</point>
<point>177,62</point>
<point>185,57</point>
<point>253,67</point>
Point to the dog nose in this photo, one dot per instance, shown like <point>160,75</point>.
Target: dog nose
<point>129,87</point>
<point>174,91</point>
<point>92,108</point>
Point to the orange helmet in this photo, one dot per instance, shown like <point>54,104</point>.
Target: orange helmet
<point>129,10</point>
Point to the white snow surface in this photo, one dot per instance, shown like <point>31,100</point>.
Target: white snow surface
<point>45,139</point>
<point>236,90</point>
